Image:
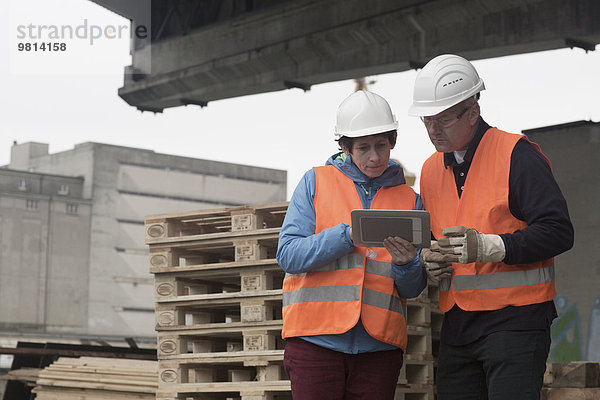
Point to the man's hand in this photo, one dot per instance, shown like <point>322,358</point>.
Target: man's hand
<point>401,250</point>
<point>466,245</point>
<point>435,263</point>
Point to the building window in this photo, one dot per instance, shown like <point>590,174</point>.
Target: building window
<point>63,189</point>
<point>72,209</point>
<point>22,186</point>
<point>31,204</point>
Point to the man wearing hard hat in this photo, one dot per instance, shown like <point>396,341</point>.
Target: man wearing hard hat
<point>344,317</point>
<point>499,218</point>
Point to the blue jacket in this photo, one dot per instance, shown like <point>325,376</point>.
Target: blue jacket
<point>300,250</point>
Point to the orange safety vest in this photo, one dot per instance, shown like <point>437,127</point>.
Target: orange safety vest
<point>331,299</point>
<point>484,206</point>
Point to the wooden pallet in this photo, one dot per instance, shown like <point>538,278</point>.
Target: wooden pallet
<point>174,227</point>
<point>215,278</point>
<point>219,337</point>
<point>176,312</point>
<point>222,249</point>
<point>247,306</point>
<point>223,367</point>
<point>259,366</point>
<point>253,336</point>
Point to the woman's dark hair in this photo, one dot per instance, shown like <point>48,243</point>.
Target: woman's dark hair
<point>348,142</point>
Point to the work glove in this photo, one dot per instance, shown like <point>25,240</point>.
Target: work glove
<point>435,264</point>
<point>401,250</point>
<point>466,245</point>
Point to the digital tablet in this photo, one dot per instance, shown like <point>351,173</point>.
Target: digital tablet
<point>370,227</point>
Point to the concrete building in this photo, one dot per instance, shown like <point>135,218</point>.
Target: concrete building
<point>44,238</point>
<point>122,185</point>
<point>573,150</point>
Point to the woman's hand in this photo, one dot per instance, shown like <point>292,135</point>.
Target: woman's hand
<point>401,250</point>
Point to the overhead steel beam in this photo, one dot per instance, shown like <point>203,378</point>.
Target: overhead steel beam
<point>130,9</point>
<point>306,42</point>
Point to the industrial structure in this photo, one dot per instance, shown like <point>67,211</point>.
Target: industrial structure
<point>197,51</point>
<point>73,261</point>
<point>573,150</point>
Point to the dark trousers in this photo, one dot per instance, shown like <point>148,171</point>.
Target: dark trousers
<point>317,373</point>
<point>505,365</point>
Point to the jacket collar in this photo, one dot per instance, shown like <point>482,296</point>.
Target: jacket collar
<point>392,176</point>
<point>450,160</point>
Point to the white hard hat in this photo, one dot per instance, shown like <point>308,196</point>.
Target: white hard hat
<point>364,113</point>
<point>444,82</point>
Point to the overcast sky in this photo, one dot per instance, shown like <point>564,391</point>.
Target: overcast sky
<point>70,97</point>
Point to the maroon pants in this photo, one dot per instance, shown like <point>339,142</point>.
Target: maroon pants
<point>318,373</point>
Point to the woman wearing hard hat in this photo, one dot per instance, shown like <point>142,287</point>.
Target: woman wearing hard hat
<point>344,305</point>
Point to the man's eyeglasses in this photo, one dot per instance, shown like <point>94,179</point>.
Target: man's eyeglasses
<point>445,121</point>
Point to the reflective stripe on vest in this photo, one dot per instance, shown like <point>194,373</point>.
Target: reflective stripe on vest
<point>322,293</point>
<point>483,206</point>
<point>354,260</point>
<point>332,298</point>
<point>382,300</point>
<point>505,279</point>
<point>344,293</point>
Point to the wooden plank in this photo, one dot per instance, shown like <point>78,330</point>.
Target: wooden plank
<point>415,392</point>
<point>240,357</point>
<point>161,265</point>
<point>130,380</point>
<point>94,385</point>
<point>52,393</point>
<point>225,329</point>
<point>212,299</point>
<point>107,362</point>
<point>96,370</point>
<point>226,387</point>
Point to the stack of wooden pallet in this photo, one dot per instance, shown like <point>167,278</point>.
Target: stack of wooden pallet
<point>578,380</point>
<point>218,302</point>
<point>94,378</point>
<point>424,322</point>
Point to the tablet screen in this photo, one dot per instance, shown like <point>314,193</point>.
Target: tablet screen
<point>377,229</point>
